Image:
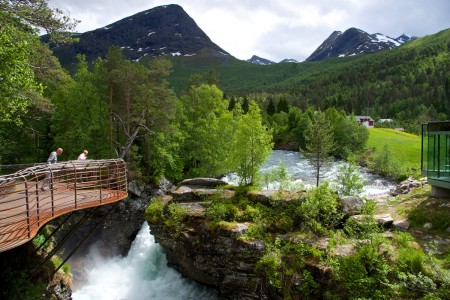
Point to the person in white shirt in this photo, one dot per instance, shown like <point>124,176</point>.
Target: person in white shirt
<point>83,155</point>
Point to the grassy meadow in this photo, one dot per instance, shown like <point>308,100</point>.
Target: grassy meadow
<point>405,146</point>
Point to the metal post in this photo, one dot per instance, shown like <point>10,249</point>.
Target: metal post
<point>75,187</point>
<point>27,206</point>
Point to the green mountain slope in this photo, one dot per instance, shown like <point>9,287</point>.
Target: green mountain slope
<point>399,69</point>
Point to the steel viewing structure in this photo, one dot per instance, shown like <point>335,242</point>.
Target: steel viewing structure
<point>73,185</point>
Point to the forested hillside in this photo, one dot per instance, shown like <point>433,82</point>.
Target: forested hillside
<point>410,84</point>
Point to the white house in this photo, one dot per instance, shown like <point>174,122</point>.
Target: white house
<point>366,121</point>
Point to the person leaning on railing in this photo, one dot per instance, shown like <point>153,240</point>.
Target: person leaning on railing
<point>52,159</point>
<point>82,156</point>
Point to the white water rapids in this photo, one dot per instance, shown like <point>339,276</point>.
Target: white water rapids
<point>143,273</point>
<point>301,172</point>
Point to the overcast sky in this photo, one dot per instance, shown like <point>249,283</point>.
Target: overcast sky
<point>276,29</point>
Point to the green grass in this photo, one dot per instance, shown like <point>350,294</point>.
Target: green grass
<point>405,146</point>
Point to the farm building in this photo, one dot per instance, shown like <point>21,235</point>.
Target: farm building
<point>366,121</point>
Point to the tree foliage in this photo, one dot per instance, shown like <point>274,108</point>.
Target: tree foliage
<point>30,15</point>
<point>16,75</point>
<point>252,144</point>
<point>207,126</point>
<point>319,143</point>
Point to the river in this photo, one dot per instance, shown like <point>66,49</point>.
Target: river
<point>143,273</point>
<point>300,172</point>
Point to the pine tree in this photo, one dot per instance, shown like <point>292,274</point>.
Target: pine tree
<point>245,105</point>
<point>283,105</point>
<point>319,143</point>
<point>270,108</point>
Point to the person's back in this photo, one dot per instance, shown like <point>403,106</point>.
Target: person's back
<point>52,159</point>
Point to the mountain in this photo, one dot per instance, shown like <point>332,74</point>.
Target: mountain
<point>353,42</point>
<point>163,30</point>
<point>262,61</point>
<point>289,60</point>
<point>259,60</point>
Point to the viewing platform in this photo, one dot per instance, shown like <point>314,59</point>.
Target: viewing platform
<point>25,206</point>
<point>435,157</point>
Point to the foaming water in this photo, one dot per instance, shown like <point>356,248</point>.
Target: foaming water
<point>301,172</point>
<point>142,274</point>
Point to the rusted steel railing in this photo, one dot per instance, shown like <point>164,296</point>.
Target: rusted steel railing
<point>33,196</point>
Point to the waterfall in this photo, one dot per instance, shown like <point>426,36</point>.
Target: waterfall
<point>142,274</point>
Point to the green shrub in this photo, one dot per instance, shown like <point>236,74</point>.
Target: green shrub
<point>348,180</point>
<point>255,231</point>
<point>252,214</point>
<point>155,211</point>
<point>387,164</point>
<point>403,239</point>
<point>320,209</point>
<point>221,211</point>
<point>364,275</point>
<point>20,287</point>
<point>270,266</point>
<point>39,240</point>
<point>411,260</point>
<point>281,223</point>
<point>364,227</point>
<point>177,214</point>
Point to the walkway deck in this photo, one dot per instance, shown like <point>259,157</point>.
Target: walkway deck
<point>73,185</point>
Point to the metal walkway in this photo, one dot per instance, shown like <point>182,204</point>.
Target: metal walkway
<point>25,207</point>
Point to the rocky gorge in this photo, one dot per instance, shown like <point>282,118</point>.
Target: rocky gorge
<point>225,256</point>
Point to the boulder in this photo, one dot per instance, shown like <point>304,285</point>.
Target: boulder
<point>401,225</point>
<point>351,205</point>
<point>384,220</point>
<point>135,189</point>
<point>205,182</point>
<point>274,195</point>
<point>195,193</point>
<point>405,186</point>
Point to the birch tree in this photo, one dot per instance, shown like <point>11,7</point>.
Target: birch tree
<point>252,144</point>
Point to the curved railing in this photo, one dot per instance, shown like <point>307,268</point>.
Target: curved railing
<point>25,206</point>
